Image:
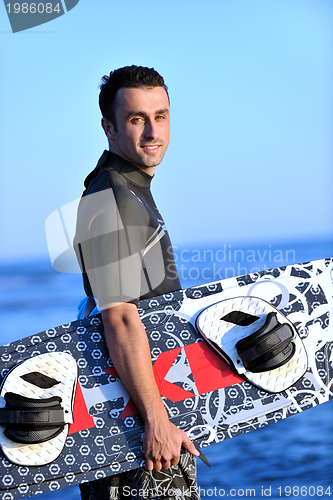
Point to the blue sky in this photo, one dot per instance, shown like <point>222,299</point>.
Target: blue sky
<point>250,81</point>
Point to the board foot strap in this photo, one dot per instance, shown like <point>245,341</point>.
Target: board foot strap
<point>31,421</point>
<point>268,348</point>
<point>37,397</point>
<point>257,340</point>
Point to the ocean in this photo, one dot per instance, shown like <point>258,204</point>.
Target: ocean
<point>292,458</point>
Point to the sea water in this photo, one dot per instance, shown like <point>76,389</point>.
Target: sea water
<point>292,458</point>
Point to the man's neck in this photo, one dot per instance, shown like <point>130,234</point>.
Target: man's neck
<point>147,170</point>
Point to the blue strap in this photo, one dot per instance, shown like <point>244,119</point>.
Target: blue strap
<point>82,307</point>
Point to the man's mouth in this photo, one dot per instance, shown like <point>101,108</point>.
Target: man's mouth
<point>150,147</point>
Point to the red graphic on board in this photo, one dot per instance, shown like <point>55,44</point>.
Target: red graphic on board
<point>161,367</point>
<point>209,372</point>
<point>81,417</point>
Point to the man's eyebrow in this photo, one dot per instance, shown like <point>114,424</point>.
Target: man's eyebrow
<point>163,111</point>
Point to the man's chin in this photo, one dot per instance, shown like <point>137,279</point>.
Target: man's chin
<point>151,161</point>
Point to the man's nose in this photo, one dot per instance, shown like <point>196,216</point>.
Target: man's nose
<point>151,130</point>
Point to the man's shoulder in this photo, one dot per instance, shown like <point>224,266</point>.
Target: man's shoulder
<point>105,175</point>
<point>107,189</point>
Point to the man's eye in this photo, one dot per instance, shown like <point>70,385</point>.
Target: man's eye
<point>138,119</point>
<point>160,117</point>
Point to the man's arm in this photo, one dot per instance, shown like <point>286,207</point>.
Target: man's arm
<point>129,350</point>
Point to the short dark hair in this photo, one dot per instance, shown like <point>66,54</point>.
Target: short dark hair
<point>126,77</point>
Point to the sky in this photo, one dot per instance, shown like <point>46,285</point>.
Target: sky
<point>250,83</point>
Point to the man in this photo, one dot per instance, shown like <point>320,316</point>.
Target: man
<point>125,256</point>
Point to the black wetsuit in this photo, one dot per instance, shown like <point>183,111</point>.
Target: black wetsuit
<point>121,241</point>
<point>126,255</point>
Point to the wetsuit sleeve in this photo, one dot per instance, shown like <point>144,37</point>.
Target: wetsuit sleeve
<point>111,245</point>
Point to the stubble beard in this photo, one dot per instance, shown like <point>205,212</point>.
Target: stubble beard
<point>144,160</point>
<point>137,156</point>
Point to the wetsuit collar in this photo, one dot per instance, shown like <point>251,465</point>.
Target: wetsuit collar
<point>129,171</point>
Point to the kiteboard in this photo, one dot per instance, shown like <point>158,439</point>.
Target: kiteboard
<point>228,357</point>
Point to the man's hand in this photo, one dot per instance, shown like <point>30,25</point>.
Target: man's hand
<point>129,350</point>
<point>162,443</point>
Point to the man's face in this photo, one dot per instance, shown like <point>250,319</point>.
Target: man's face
<point>143,126</point>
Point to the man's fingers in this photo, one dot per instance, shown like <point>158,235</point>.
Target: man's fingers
<point>149,464</point>
<point>158,464</point>
<point>161,464</point>
<point>166,452</point>
<point>174,461</point>
<point>189,446</point>
<point>165,464</point>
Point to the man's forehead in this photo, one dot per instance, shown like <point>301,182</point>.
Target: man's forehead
<point>142,99</point>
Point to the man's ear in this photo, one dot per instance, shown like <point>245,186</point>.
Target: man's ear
<point>108,129</point>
